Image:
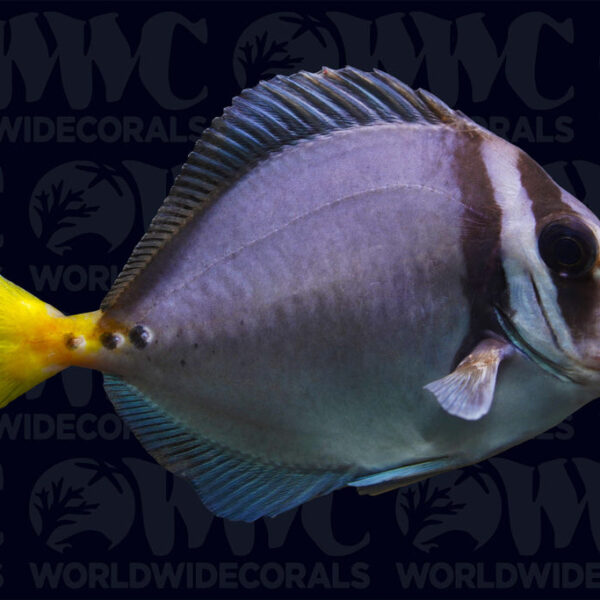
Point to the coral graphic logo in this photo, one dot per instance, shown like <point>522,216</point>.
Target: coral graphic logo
<point>73,208</point>
<point>433,513</point>
<point>82,504</point>
<point>88,213</point>
<point>285,42</point>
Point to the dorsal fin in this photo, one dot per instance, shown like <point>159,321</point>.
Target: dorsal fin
<point>264,119</point>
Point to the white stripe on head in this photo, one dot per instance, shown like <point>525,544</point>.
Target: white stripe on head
<point>520,257</point>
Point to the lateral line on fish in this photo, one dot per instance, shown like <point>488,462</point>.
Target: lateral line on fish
<point>276,114</point>
<point>309,213</point>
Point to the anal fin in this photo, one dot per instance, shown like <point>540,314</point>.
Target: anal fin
<point>230,484</point>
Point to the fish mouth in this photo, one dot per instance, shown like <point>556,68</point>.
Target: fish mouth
<point>511,331</point>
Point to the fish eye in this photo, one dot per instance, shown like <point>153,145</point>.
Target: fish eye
<point>568,246</point>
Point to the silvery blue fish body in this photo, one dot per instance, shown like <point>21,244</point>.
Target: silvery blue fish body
<point>350,284</point>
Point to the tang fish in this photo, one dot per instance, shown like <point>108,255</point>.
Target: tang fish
<point>349,284</point>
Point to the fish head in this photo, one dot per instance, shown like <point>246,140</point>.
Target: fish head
<point>550,254</point>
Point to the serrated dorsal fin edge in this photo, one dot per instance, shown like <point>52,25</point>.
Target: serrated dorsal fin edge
<point>263,120</point>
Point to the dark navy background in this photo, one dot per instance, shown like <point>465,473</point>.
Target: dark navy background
<point>99,104</point>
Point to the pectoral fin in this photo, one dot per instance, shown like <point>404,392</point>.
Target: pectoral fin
<point>468,391</point>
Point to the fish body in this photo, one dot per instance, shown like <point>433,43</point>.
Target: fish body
<point>349,284</point>
<point>306,319</point>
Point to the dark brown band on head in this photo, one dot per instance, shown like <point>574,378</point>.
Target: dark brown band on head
<point>545,195</point>
<point>576,298</point>
<point>481,225</point>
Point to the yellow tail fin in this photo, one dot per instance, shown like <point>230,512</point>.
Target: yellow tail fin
<point>37,341</point>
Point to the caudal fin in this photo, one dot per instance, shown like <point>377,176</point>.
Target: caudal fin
<point>36,340</point>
